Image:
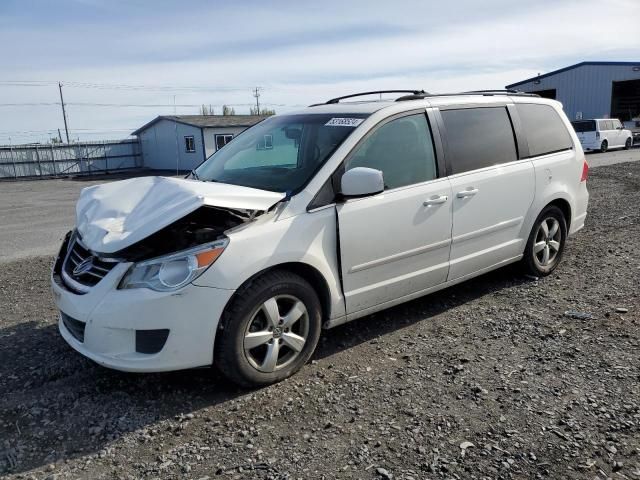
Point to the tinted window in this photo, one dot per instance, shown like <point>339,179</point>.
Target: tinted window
<point>584,126</point>
<point>478,138</point>
<point>402,149</point>
<point>544,129</point>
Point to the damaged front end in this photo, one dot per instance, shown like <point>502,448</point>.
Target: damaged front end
<point>179,253</point>
<point>164,261</point>
<point>204,225</point>
<point>170,230</point>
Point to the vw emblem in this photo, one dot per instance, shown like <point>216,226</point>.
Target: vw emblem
<point>83,267</point>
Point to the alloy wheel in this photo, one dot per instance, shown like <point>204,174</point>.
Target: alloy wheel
<point>547,242</point>
<point>276,333</point>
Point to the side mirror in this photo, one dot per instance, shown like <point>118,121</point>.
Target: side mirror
<point>361,181</point>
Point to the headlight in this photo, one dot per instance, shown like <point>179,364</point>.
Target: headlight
<point>174,271</point>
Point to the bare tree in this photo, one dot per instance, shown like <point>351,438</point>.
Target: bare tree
<point>227,110</point>
<point>263,111</point>
<point>206,110</point>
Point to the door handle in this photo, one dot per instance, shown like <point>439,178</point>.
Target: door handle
<point>469,192</point>
<point>435,200</point>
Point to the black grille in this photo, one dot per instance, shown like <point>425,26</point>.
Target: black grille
<point>151,341</point>
<point>75,327</point>
<point>78,254</point>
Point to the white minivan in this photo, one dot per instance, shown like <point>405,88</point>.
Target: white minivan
<point>314,218</point>
<point>602,134</point>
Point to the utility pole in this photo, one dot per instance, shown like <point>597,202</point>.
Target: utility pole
<point>256,93</point>
<point>64,114</point>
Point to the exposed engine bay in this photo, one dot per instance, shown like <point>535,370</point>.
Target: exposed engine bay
<point>206,224</point>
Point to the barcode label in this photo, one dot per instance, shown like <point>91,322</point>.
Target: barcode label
<point>344,122</point>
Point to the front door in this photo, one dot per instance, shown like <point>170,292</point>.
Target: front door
<point>397,242</point>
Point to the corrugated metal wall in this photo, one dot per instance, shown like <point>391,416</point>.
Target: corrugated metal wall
<point>585,89</point>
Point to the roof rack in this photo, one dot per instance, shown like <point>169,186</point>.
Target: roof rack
<point>420,96</point>
<point>375,92</point>
<point>500,92</point>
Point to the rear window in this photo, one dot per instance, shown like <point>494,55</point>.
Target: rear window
<point>478,138</point>
<point>545,130</point>
<point>584,126</point>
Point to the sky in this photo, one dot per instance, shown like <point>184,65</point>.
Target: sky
<point>123,62</point>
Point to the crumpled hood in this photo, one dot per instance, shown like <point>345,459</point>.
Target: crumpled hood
<point>112,216</point>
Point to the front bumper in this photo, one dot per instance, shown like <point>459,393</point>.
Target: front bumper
<point>111,318</point>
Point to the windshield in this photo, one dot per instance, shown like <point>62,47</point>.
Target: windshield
<point>281,153</point>
<point>584,126</point>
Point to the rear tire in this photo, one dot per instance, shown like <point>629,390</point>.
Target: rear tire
<point>627,144</point>
<point>269,330</point>
<point>604,146</point>
<point>546,242</point>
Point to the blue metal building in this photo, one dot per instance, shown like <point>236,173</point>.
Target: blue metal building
<point>591,89</point>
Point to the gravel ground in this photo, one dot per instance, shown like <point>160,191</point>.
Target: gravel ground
<point>488,379</point>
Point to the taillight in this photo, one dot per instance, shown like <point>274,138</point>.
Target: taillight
<point>597,135</point>
<point>585,171</point>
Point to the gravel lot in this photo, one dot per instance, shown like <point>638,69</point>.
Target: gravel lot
<point>488,379</point>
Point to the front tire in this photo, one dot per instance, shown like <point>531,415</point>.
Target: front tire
<point>269,331</point>
<point>604,146</point>
<point>546,242</point>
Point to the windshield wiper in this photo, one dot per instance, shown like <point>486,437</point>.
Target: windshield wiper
<point>195,175</point>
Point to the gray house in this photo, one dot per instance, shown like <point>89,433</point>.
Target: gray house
<point>182,142</point>
<point>591,89</point>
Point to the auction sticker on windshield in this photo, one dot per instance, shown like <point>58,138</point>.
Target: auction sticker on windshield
<point>344,122</point>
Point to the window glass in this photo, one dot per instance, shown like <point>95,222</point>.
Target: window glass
<point>545,130</point>
<point>402,149</point>
<point>478,138</point>
<point>222,140</point>
<point>584,126</point>
<point>281,153</point>
<point>189,144</point>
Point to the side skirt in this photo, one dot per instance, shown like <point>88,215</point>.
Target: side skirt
<point>391,303</point>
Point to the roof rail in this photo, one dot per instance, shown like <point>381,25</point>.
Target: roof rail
<point>420,96</point>
<point>375,92</point>
<point>499,92</point>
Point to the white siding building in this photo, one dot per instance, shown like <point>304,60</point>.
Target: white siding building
<point>182,142</point>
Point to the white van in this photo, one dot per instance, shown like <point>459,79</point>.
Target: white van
<point>602,134</point>
<point>312,219</point>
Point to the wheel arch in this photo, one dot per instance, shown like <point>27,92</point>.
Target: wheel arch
<point>563,205</point>
<point>304,270</point>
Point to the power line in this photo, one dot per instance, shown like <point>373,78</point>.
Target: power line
<point>122,86</point>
